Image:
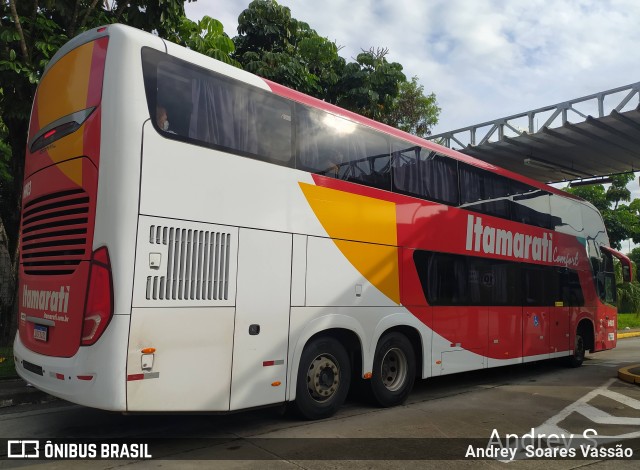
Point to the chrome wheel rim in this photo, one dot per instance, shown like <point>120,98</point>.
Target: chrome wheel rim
<point>393,369</point>
<point>323,377</point>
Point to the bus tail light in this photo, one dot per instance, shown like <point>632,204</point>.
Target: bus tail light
<point>99,306</point>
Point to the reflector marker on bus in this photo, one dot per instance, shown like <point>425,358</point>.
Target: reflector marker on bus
<point>278,362</point>
<point>146,375</point>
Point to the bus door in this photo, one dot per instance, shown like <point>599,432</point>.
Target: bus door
<point>260,341</point>
<point>559,334</point>
<point>536,312</point>
<point>505,312</point>
<point>567,298</point>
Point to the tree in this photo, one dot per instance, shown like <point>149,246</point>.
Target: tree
<point>265,26</point>
<point>370,85</point>
<point>412,111</point>
<point>207,37</point>
<point>634,255</point>
<point>273,44</point>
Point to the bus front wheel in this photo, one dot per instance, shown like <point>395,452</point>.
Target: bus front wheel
<point>394,370</point>
<point>324,376</point>
<point>576,359</point>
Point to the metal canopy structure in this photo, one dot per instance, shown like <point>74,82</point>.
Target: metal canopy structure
<point>562,142</point>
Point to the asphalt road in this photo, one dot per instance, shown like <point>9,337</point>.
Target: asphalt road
<point>445,418</point>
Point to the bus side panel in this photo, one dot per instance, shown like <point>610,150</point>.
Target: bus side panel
<point>332,280</point>
<point>182,320</point>
<point>606,321</point>
<point>262,319</point>
<point>462,338</point>
<point>188,371</point>
<point>505,336</point>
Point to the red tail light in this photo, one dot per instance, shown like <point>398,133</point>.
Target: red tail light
<point>99,306</point>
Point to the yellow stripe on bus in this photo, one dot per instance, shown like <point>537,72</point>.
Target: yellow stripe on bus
<point>62,91</point>
<point>349,218</point>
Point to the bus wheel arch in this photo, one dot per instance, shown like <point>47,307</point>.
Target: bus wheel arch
<point>396,361</point>
<point>324,372</point>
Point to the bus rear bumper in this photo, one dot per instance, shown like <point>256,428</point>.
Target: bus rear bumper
<point>80,379</point>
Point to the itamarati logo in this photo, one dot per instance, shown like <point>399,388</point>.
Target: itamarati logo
<point>49,300</point>
<point>490,240</point>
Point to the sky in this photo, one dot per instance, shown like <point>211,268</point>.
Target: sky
<point>483,59</point>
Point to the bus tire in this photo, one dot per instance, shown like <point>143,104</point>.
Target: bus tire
<point>324,377</point>
<point>394,370</point>
<point>576,359</point>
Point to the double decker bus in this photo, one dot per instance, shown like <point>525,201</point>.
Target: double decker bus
<point>197,238</point>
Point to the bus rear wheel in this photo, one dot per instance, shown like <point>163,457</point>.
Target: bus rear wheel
<point>394,370</point>
<point>324,376</point>
<point>576,359</point>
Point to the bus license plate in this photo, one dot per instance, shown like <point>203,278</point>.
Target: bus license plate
<point>40,332</point>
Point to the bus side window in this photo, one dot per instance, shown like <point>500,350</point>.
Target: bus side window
<point>338,148</point>
<point>440,177</point>
<point>404,163</point>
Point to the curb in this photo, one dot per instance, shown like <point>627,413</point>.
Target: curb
<point>630,374</point>
<point>628,335</point>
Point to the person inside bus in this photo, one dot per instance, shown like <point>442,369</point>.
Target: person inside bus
<point>162,119</point>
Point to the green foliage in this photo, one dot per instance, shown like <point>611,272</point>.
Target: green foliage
<point>628,320</point>
<point>595,194</point>
<point>207,37</point>
<point>265,26</point>
<point>7,366</point>
<point>412,111</point>
<point>272,44</point>
<point>628,297</point>
<point>635,257</point>
<point>370,85</point>
<point>6,177</point>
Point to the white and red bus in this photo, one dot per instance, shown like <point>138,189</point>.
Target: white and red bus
<point>267,247</point>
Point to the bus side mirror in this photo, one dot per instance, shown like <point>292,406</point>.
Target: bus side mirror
<point>627,270</point>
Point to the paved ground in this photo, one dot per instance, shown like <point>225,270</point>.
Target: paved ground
<point>442,418</point>
<point>17,392</point>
